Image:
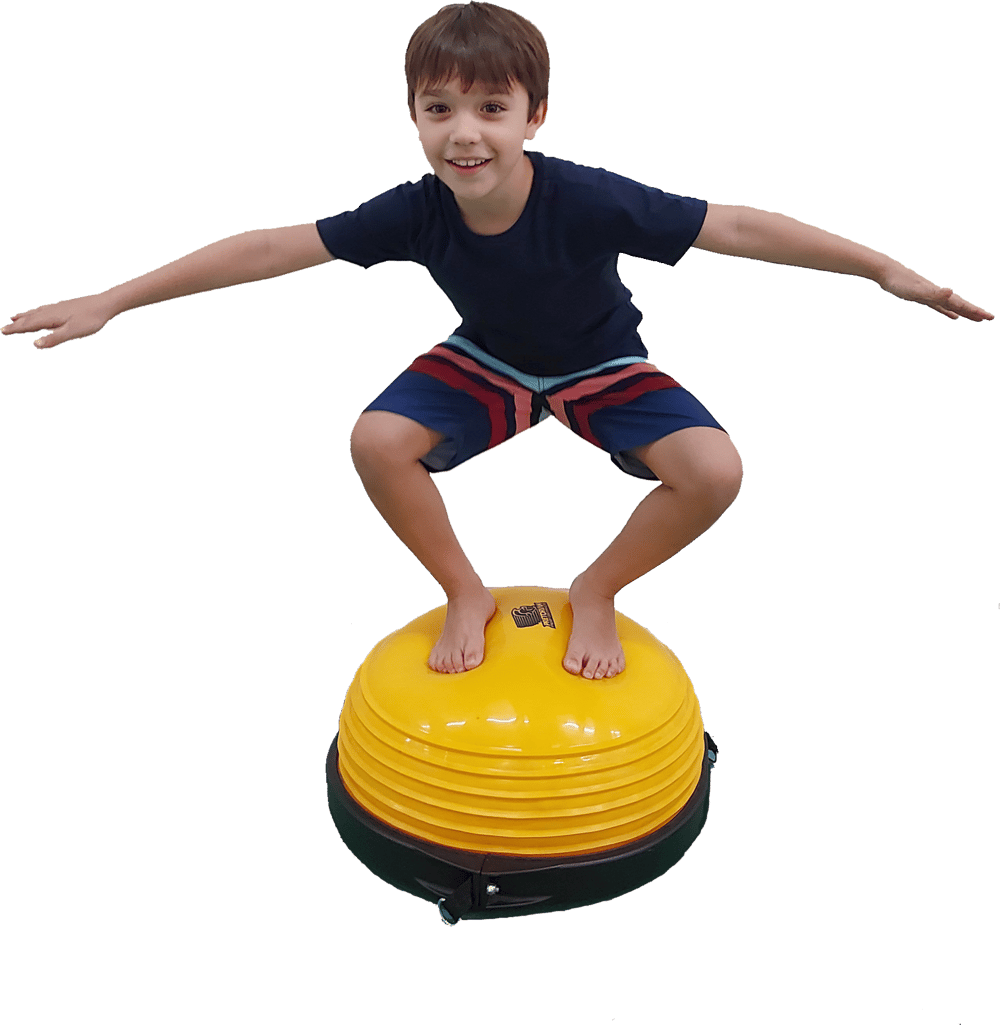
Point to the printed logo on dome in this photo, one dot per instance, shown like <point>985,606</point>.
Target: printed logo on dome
<point>533,615</point>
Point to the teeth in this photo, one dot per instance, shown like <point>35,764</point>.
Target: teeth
<point>468,163</point>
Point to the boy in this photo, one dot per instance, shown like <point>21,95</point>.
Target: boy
<point>525,246</point>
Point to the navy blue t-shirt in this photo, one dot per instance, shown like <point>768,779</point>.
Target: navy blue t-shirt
<point>545,295</point>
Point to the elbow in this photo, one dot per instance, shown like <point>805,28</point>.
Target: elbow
<point>722,229</point>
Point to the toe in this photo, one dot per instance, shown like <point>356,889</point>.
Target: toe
<point>572,665</point>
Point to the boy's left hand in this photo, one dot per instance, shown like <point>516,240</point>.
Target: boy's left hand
<point>907,284</point>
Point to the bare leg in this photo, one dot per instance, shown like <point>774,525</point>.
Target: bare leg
<point>386,449</point>
<point>701,472</point>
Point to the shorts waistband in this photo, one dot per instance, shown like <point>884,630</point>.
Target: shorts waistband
<point>534,382</point>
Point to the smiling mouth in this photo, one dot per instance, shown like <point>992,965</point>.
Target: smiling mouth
<point>467,168</point>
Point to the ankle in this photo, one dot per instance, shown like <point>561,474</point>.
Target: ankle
<point>466,589</point>
<point>586,586</point>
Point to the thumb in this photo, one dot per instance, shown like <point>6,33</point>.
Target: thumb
<point>944,294</point>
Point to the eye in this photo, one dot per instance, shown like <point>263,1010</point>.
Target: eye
<point>437,108</point>
<point>498,109</point>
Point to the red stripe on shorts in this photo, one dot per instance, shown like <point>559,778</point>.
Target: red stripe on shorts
<point>461,373</point>
<point>587,397</point>
<point>520,394</point>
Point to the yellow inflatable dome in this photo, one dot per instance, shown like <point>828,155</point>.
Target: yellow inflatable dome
<point>516,786</point>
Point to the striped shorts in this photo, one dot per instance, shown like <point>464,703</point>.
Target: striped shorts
<point>477,401</point>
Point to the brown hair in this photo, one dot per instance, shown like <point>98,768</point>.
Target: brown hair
<point>478,42</point>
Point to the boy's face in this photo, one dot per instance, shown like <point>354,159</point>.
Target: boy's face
<point>476,126</point>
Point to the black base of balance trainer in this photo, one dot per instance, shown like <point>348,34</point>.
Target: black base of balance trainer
<point>466,884</point>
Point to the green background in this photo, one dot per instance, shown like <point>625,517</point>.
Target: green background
<point>193,571</point>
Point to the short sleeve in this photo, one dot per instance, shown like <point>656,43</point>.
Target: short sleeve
<point>385,228</point>
<point>643,221</point>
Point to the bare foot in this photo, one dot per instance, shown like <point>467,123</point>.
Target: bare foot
<point>461,644</point>
<point>594,650</point>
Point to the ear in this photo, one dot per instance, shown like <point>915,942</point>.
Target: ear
<point>538,120</point>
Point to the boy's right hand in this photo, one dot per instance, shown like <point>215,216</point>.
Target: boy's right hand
<point>74,318</point>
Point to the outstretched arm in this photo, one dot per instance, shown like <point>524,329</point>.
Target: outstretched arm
<point>249,257</point>
<point>759,235</point>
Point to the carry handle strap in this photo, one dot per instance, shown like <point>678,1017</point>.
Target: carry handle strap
<point>457,904</point>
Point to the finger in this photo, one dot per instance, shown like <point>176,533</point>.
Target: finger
<point>944,301</point>
<point>966,309</point>
<point>977,315</point>
<point>23,327</point>
<point>30,323</point>
<point>16,324</point>
<point>954,302</point>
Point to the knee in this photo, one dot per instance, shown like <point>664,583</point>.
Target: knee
<point>371,443</point>
<point>382,440</point>
<point>721,476</point>
<point>723,480</point>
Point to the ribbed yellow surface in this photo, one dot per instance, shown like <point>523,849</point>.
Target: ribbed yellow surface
<point>518,756</point>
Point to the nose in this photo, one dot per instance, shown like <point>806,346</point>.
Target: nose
<point>464,130</point>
